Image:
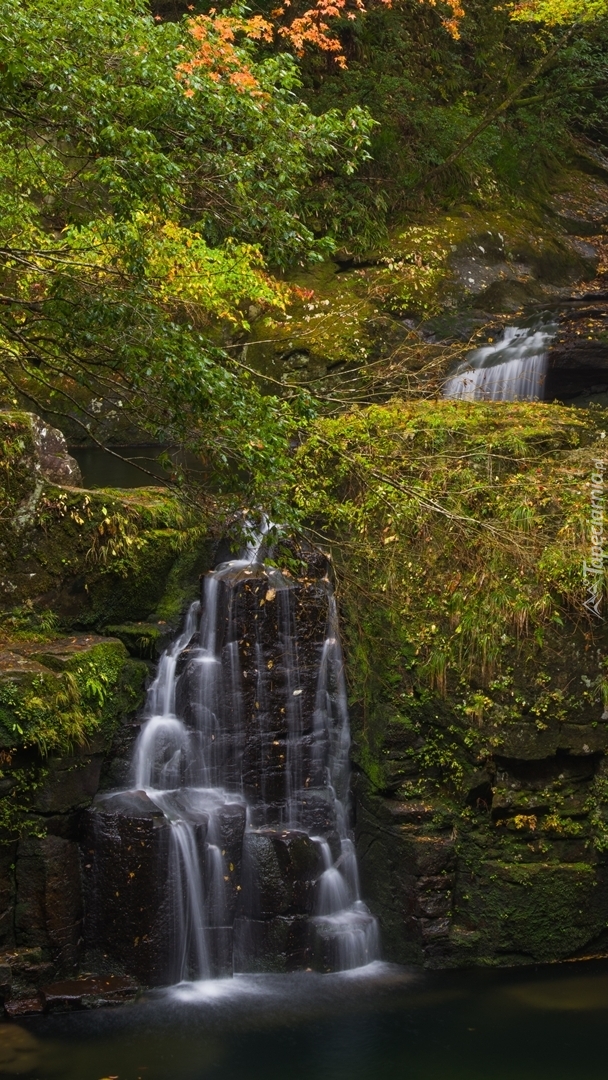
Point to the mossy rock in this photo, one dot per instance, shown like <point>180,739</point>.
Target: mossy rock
<point>142,639</point>
<point>61,703</point>
<point>496,259</point>
<point>529,913</point>
<point>66,692</point>
<point>92,557</point>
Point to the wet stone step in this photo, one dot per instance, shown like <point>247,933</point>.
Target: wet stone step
<point>26,1006</point>
<point>282,870</point>
<point>84,993</point>
<point>278,945</point>
<point>91,993</point>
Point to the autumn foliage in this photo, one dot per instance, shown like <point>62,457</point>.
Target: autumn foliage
<point>217,36</point>
<point>217,53</point>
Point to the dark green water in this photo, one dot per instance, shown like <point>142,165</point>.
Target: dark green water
<point>101,469</point>
<point>533,1024</point>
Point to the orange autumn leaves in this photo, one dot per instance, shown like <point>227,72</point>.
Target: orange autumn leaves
<point>217,54</point>
<point>314,26</point>
<point>217,36</point>
<point>451,22</point>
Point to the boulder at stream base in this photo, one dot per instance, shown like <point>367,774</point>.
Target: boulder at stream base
<point>128,913</point>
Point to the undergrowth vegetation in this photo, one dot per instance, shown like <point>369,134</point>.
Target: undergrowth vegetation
<point>458,531</point>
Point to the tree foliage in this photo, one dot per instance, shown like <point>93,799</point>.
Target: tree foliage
<point>429,91</point>
<point>554,12</point>
<point>138,218</point>
<point>157,179</point>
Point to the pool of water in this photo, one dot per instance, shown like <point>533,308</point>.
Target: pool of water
<point>380,1023</point>
<point>101,469</point>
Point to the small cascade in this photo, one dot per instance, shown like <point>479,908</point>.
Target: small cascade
<point>510,369</point>
<point>240,788</point>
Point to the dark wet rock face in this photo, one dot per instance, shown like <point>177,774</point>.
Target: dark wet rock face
<point>278,944</point>
<point>282,871</point>
<point>127,908</point>
<point>50,908</point>
<point>578,360</point>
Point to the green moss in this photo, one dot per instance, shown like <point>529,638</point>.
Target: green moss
<point>58,698</point>
<point>458,533</point>
<point>182,584</point>
<point>527,912</point>
<point>16,813</point>
<point>65,695</point>
<point>17,456</point>
<point>142,639</point>
<point>465,530</point>
<point>25,623</point>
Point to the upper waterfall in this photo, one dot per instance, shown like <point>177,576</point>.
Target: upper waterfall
<point>513,368</point>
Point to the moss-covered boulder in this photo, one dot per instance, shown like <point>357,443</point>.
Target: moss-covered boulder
<point>61,703</point>
<point>66,691</point>
<point>92,558</point>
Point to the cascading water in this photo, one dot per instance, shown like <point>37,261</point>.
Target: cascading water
<point>244,755</point>
<point>510,369</point>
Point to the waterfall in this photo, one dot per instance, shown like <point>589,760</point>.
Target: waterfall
<point>244,759</point>
<point>510,369</point>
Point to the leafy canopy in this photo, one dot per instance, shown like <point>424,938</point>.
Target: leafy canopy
<point>138,216</point>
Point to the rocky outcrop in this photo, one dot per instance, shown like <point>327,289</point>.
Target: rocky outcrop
<point>72,564</point>
<point>476,671</point>
<point>512,875</point>
<point>482,836</point>
<point>62,704</point>
<point>54,461</point>
<point>90,558</point>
